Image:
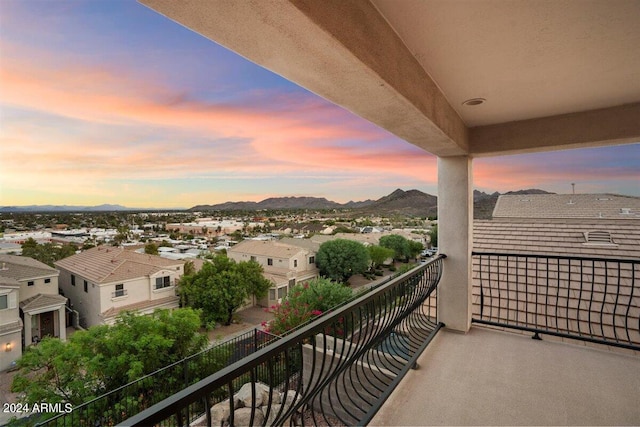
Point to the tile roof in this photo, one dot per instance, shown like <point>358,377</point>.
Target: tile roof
<point>24,268</point>
<point>266,248</point>
<point>309,244</point>
<point>565,237</point>
<point>588,206</point>
<point>41,301</point>
<point>105,264</point>
<point>168,302</point>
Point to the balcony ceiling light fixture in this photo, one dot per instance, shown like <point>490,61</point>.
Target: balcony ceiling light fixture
<point>474,101</point>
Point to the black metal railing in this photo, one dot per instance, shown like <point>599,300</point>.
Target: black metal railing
<point>119,404</point>
<point>589,299</point>
<point>119,293</point>
<point>337,370</point>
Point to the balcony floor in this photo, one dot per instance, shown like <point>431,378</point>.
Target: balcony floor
<point>488,377</point>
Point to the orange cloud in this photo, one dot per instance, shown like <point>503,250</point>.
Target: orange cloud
<point>232,138</point>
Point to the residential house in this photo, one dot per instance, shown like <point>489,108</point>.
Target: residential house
<point>104,281</point>
<point>284,264</point>
<point>10,322</point>
<point>30,305</point>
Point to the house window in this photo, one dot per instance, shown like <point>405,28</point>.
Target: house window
<point>86,286</point>
<point>272,294</point>
<point>47,280</point>
<point>73,280</point>
<point>163,282</point>
<point>295,263</point>
<point>292,283</point>
<point>269,261</point>
<point>312,260</point>
<point>4,302</point>
<point>30,283</point>
<point>282,292</point>
<point>119,291</point>
<point>253,258</point>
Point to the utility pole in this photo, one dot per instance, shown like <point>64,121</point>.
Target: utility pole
<point>573,188</point>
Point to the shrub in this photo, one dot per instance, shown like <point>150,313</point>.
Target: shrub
<point>306,301</point>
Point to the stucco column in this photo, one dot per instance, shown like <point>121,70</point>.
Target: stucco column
<point>455,240</point>
<point>27,329</point>
<point>62,325</point>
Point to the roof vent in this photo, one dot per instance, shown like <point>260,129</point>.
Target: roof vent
<point>603,198</point>
<point>625,211</point>
<point>571,202</point>
<point>598,237</point>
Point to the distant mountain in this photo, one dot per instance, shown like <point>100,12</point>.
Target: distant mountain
<point>65,208</point>
<point>410,203</point>
<point>272,203</point>
<point>400,202</point>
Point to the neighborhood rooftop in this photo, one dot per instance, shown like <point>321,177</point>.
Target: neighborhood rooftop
<point>105,264</point>
<point>18,267</point>
<point>550,206</point>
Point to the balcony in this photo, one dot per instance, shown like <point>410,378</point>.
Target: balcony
<point>336,370</point>
<point>356,364</point>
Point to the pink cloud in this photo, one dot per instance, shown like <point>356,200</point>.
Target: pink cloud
<point>291,138</point>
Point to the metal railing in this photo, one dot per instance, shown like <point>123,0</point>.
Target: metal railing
<point>119,404</point>
<point>337,370</point>
<point>119,293</point>
<point>588,299</point>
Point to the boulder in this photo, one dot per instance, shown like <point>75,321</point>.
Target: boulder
<point>242,417</point>
<point>261,395</point>
<point>291,397</point>
<point>220,413</point>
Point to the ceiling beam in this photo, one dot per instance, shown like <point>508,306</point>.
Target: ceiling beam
<point>606,126</point>
<point>344,51</point>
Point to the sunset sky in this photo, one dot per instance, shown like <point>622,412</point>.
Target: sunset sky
<point>110,102</point>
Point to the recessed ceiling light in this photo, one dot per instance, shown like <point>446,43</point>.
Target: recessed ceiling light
<point>474,101</point>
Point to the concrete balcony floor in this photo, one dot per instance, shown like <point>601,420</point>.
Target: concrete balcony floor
<point>489,377</point>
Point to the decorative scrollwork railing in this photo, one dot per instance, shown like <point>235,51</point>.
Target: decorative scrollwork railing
<point>337,370</point>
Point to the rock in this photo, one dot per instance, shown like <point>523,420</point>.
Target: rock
<point>242,417</point>
<point>220,413</point>
<point>291,398</point>
<point>273,413</point>
<point>262,395</point>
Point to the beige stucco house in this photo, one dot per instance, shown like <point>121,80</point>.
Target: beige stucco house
<point>284,265</point>
<point>30,306</point>
<point>104,281</point>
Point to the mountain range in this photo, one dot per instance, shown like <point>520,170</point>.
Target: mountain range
<point>400,202</point>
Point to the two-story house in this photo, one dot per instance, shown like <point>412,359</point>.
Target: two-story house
<point>104,281</point>
<point>284,265</point>
<point>30,306</point>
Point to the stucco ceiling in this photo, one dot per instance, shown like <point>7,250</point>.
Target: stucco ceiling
<point>528,59</point>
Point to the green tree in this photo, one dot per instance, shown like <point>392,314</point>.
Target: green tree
<point>433,235</point>
<point>151,248</point>
<point>101,358</point>
<point>221,287</point>
<point>398,244</point>
<point>339,259</point>
<point>47,253</point>
<point>379,255</point>
<point>415,248</point>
